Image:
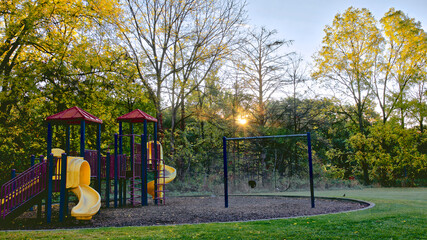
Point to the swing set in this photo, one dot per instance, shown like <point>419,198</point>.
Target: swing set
<point>252,182</point>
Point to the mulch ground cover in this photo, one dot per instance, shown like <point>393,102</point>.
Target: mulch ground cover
<point>189,210</point>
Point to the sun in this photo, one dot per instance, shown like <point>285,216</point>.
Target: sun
<point>242,121</point>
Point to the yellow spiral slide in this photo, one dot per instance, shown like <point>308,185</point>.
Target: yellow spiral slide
<point>78,181</point>
<point>167,173</point>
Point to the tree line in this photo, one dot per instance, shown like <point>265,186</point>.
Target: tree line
<point>198,68</point>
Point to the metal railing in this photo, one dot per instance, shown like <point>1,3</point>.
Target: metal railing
<point>22,188</point>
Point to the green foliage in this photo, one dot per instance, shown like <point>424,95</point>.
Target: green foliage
<point>347,60</point>
<point>194,155</point>
<point>392,153</point>
<point>361,63</point>
<point>55,57</point>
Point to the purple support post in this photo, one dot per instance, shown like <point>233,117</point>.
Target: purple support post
<point>107,179</point>
<point>39,205</point>
<point>33,159</point>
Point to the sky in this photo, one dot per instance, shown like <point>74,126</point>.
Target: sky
<point>304,20</point>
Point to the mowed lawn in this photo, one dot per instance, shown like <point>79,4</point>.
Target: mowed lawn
<point>400,213</point>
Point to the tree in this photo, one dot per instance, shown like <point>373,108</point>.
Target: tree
<point>175,45</point>
<point>261,65</point>
<point>294,76</point>
<point>41,33</point>
<point>347,62</point>
<point>401,63</point>
<point>393,154</point>
<point>418,103</point>
<point>170,40</point>
<point>49,52</point>
<point>348,58</point>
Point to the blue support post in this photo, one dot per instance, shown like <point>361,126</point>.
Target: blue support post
<point>82,138</point>
<point>67,146</point>
<point>310,165</point>
<point>144,201</point>
<point>132,142</point>
<point>224,151</point>
<point>132,182</point>
<point>122,182</point>
<point>63,189</point>
<point>107,179</point>
<point>12,176</point>
<point>122,189</point>
<point>49,189</point>
<point>156,175</point>
<point>49,139</point>
<point>98,149</point>
<point>33,161</point>
<point>67,151</point>
<point>120,138</point>
<point>116,169</point>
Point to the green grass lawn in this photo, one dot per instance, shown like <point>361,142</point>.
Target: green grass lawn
<point>400,213</point>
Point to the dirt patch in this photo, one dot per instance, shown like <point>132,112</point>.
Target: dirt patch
<point>181,210</point>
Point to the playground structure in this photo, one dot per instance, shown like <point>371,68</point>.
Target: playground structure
<point>60,172</point>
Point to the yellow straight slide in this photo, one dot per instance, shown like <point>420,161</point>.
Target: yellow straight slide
<point>78,181</point>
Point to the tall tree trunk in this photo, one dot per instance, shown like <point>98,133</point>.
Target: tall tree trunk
<point>183,115</point>
<point>364,163</point>
<point>365,172</point>
<point>158,99</point>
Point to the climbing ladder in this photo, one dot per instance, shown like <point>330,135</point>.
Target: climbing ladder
<point>135,182</point>
<point>160,174</point>
<point>161,180</point>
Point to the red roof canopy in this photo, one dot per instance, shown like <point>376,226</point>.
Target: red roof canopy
<point>73,116</point>
<point>136,116</point>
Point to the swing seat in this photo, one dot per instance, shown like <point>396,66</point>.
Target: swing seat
<point>252,183</point>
